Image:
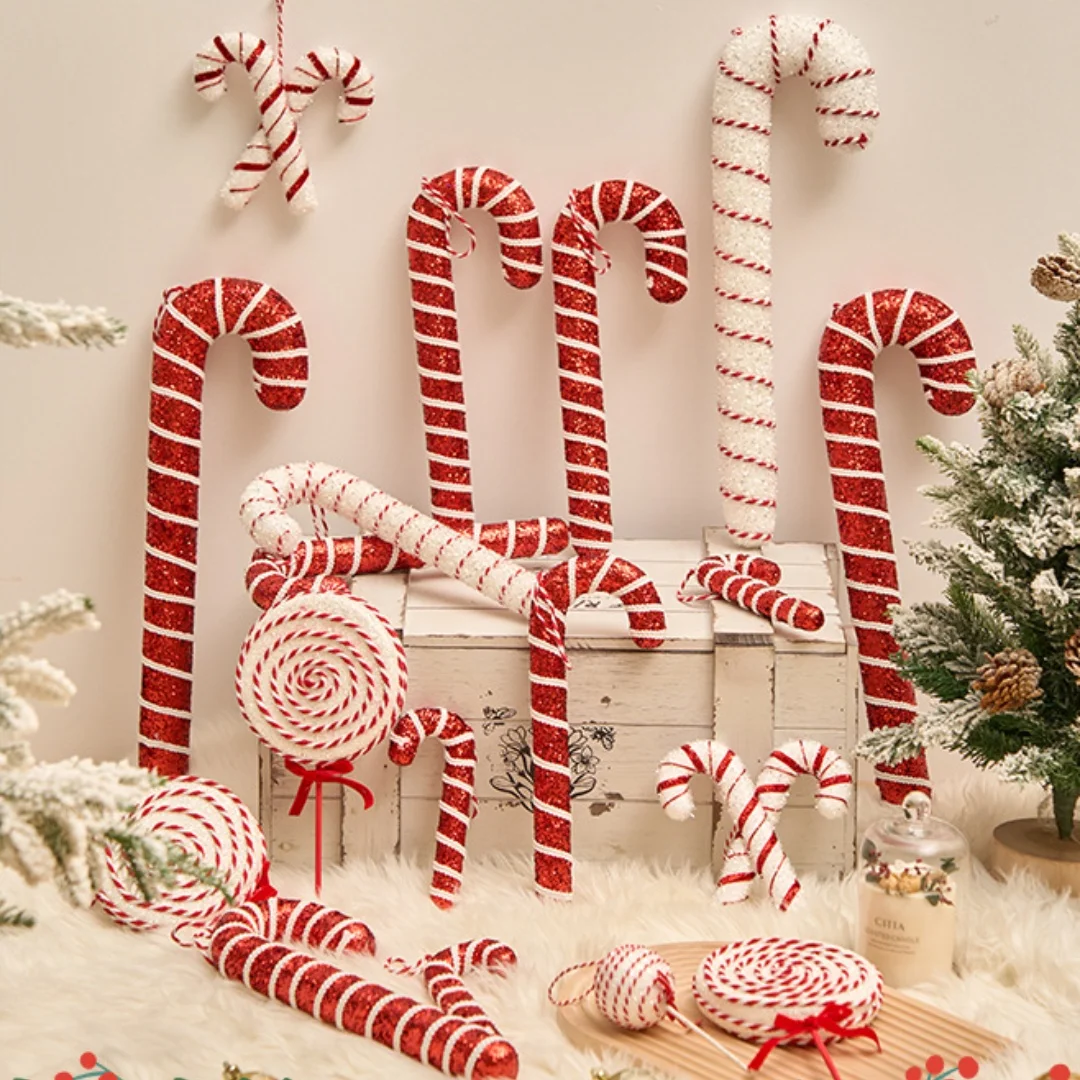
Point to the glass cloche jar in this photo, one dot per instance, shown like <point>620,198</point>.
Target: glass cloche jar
<point>911,877</point>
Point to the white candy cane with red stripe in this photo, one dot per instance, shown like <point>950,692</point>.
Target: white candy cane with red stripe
<point>751,67</point>
<point>720,578</point>
<point>189,321</point>
<point>577,332</point>
<point>854,336</point>
<point>320,65</point>
<point>457,805</point>
<point>277,121</point>
<point>561,586</point>
<point>800,757</point>
<point>737,792</point>
<point>247,945</point>
<point>435,325</point>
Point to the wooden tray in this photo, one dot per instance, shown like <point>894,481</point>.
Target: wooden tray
<point>909,1031</point>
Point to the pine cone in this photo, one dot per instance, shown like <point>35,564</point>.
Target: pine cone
<point>1008,681</point>
<point>1072,655</point>
<point>1057,277</point>
<point>1007,378</point>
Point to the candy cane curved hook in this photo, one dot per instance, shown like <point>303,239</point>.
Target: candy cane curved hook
<point>435,327</point>
<point>753,63</point>
<point>562,585</point>
<point>854,336</point>
<point>189,321</point>
<point>577,332</point>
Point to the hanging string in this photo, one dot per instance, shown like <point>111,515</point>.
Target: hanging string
<point>280,4</point>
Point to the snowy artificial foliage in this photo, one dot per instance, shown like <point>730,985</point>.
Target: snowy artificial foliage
<point>1012,581</point>
<point>24,323</point>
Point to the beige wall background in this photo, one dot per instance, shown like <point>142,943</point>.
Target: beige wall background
<point>111,168</point>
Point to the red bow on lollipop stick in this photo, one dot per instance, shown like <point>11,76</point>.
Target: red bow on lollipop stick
<point>830,1020</point>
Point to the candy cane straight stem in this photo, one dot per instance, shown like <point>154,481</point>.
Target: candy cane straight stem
<point>856,333</point>
<point>751,67</point>
<point>435,326</point>
<point>189,321</point>
<point>457,803</point>
<point>577,332</point>
<point>548,696</point>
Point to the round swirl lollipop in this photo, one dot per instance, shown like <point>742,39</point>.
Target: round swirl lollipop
<point>321,678</point>
<point>208,822</point>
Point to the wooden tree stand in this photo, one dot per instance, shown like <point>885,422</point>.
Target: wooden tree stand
<point>1027,844</point>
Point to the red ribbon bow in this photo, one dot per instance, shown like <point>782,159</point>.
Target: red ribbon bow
<point>830,1019</point>
<point>334,773</point>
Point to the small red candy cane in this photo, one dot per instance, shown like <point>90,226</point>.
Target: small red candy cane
<point>750,69</point>
<point>435,326</point>
<point>277,121</point>
<point>557,590</point>
<point>720,578</point>
<point>577,331</point>
<point>738,793</point>
<point>857,332</point>
<point>189,321</point>
<point>457,804</point>
<point>800,757</point>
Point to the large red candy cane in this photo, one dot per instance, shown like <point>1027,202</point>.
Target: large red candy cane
<point>458,802</point>
<point>277,121</point>
<point>854,336</point>
<point>738,793</point>
<point>750,69</point>
<point>438,354</point>
<point>562,585</point>
<point>577,331</point>
<point>189,321</point>
<point>246,945</point>
<point>800,757</point>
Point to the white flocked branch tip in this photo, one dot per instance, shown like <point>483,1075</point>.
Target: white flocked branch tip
<point>25,323</point>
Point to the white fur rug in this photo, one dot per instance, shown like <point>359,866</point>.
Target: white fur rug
<point>152,1011</point>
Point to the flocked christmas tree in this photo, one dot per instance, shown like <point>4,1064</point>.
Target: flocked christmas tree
<point>999,655</point>
<point>56,818</point>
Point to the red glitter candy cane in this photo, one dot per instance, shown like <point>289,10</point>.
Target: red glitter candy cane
<point>753,64</point>
<point>577,332</point>
<point>457,805</point>
<point>719,577</point>
<point>189,321</point>
<point>435,326</point>
<point>854,336</point>
<point>246,945</point>
<point>559,588</point>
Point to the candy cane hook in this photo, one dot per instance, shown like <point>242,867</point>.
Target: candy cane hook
<point>189,321</point>
<point>854,336</point>
<point>577,332</point>
<point>435,326</point>
<point>457,805</point>
<point>800,757</point>
<point>562,585</point>
<point>748,73</point>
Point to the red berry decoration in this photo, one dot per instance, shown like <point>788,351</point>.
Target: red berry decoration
<point>935,1064</point>
<point>1060,1072</point>
<point>914,1073</point>
<point>63,1076</point>
<point>88,1060</point>
<point>967,1067</point>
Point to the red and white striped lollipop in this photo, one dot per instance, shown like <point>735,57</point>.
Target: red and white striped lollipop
<point>577,331</point>
<point>857,332</point>
<point>206,821</point>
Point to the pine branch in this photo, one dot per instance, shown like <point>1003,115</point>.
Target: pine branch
<point>14,917</point>
<point>24,323</point>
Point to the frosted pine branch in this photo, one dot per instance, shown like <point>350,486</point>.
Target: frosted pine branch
<point>55,613</point>
<point>35,678</point>
<point>1030,348</point>
<point>24,323</point>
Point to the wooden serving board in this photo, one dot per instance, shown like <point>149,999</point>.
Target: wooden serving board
<point>909,1031</point>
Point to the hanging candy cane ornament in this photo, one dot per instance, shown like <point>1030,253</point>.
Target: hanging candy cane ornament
<point>738,793</point>
<point>189,321</point>
<point>800,757</point>
<point>750,69</point>
<point>319,66</point>
<point>277,121</point>
<point>561,586</point>
<point>435,327</point>
<point>577,331</point>
<point>457,804</point>
<point>854,336</point>
<point>721,579</point>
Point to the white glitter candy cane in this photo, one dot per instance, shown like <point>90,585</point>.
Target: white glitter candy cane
<point>750,69</point>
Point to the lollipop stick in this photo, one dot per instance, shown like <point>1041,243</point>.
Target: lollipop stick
<point>691,1026</point>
